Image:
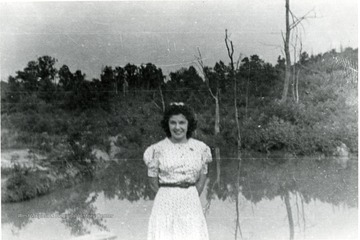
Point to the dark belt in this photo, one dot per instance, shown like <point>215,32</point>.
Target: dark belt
<point>179,185</point>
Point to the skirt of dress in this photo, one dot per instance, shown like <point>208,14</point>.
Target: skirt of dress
<point>177,215</point>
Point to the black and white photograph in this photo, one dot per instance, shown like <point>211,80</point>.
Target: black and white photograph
<point>179,120</point>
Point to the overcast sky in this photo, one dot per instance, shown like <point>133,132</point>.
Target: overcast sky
<point>90,35</point>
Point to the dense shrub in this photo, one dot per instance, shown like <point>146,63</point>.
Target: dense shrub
<point>24,184</point>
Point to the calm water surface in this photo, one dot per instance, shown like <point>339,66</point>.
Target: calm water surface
<point>257,199</point>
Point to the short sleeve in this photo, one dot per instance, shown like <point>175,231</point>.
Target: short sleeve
<point>151,161</point>
<point>205,158</point>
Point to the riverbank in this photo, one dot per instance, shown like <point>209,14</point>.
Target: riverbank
<point>26,174</point>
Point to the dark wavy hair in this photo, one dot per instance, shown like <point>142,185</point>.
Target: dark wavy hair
<point>176,109</point>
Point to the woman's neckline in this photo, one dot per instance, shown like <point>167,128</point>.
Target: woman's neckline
<point>178,143</point>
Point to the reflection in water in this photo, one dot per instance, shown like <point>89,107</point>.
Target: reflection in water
<point>307,178</point>
<point>124,180</point>
<point>237,189</point>
<point>298,182</point>
<point>216,182</point>
<point>289,214</point>
<point>74,207</point>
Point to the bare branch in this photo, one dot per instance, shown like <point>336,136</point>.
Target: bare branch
<point>282,35</point>
<point>162,99</point>
<point>230,50</point>
<point>157,105</point>
<point>202,67</point>
<point>238,61</point>
<point>199,58</point>
<point>297,20</point>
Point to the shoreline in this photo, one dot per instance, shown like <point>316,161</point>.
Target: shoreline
<point>25,175</point>
<point>24,180</point>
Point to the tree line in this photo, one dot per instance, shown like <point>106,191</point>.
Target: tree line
<point>257,79</point>
<point>320,85</point>
<point>72,90</point>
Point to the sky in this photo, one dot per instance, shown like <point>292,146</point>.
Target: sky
<point>90,35</point>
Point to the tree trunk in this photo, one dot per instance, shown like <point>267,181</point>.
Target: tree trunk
<point>218,165</point>
<point>287,53</point>
<point>297,86</point>
<point>215,96</point>
<point>237,119</point>
<point>162,99</point>
<point>217,119</point>
<point>247,95</point>
<point>217,115</point>
<point>230,50</point>
<point>217,131</point>
<point>289,214</point>
<point>125,87</point>
<point>293,83</point>
<point>237,191</point>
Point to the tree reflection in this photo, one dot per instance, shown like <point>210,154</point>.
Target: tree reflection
<point>305,179</point>
<point>73,206</point>
<point>80,213</point>
<point>313,180</point>
<point>289,214</point>
<point>236,192</point>
<point>125,179</point>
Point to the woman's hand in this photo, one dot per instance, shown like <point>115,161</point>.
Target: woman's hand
<point>154,183</point>
<point>200,184</point>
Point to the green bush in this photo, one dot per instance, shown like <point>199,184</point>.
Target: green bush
<point>251,134</point>
<point>278,134</point>
<point>24,184</point>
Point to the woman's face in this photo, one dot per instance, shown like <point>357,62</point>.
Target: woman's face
<point>178,125</point>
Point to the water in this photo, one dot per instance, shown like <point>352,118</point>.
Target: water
<point>293,199</point>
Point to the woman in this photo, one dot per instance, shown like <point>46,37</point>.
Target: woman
<point>177,168</point>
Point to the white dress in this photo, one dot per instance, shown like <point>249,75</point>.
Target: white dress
<point>177,212</point>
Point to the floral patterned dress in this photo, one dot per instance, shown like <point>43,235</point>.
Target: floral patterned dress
<point>177,212</point>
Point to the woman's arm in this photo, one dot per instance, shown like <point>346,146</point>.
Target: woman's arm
<point>200,184</point>
<point>154,183</point>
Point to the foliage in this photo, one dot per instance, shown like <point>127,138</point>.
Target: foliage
<point>46,108</point>
<point>24,184</point>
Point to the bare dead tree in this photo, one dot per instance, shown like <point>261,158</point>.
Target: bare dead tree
<point>162,108</point>
<point>297,76</point>
<point>230,51</point>
<point>125,87</point>
<point>215,95</point>
<point>288,28</point>
<point>295,69</point>
<point>247,93</point>
<point>287,52</point>
<point>162,99</point>
<point>294,45</point>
